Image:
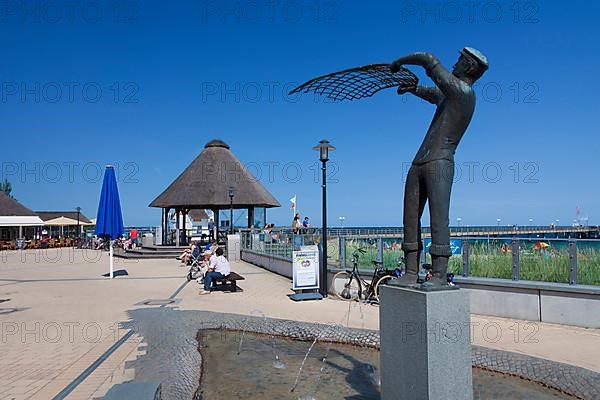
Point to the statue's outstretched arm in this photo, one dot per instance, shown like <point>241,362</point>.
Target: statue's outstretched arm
<point>442,78</point>
<point>430,94</point>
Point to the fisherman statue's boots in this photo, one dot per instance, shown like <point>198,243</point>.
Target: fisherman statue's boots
<point>411,275</point>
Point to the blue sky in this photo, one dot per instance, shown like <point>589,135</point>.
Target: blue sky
<point>144,85</point>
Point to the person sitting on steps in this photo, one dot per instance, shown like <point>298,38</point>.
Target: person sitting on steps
<point>219,268</point>
<point>191,253</point>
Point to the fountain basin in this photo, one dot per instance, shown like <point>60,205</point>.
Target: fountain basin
<point>171,353</point>
<point>268,367</point>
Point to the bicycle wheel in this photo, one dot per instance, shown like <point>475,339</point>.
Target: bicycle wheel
<point>346,286</point>
<point>382,281</point>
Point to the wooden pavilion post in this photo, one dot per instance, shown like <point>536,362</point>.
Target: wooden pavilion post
<point>177,232</point>
<point>164,226</point>
<point>184,222</point>
<point>167,224</point>
<point>250,217</point>
<point>216,214</point>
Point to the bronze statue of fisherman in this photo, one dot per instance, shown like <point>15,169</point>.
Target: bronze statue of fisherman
<point>432,172</point>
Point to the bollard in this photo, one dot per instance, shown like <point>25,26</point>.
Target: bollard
<point>572,262</point>
<point>465,257</point>
<point>516,275</point>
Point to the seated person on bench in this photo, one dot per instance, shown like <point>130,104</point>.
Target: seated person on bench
<point>211,246</point>
<point>218,269</point>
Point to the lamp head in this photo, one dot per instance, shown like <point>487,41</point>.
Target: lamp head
<point>324,147</point>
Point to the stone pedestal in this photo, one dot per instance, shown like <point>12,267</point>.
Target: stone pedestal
<point>425,344</point>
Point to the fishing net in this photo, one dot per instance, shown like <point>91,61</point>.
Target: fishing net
<point>358,83</point>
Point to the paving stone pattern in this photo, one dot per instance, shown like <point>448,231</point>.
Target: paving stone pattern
<point>172,356</point>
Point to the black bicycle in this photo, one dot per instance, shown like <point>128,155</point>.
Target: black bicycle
<point>348,285</point>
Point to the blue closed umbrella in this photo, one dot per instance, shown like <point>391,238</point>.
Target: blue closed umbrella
<point>109,221</point>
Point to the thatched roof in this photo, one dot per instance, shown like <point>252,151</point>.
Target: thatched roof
<point>11,207</point>
<point>205,183</point>
<point>49,215</point>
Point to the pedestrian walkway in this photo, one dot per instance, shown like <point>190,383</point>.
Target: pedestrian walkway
<point>59,317</point>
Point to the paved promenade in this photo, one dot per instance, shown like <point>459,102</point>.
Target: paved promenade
<point>59,316</point>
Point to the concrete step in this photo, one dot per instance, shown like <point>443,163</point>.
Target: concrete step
<point>153,252</point>
<point>174,253</point>
<point>135,390</point>
<point>147,256</point>
<point>165,248</point>
<point>159,252</point>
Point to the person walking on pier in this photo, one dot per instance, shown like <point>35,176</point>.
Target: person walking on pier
<point>211,230</point>
<point>296,224</point>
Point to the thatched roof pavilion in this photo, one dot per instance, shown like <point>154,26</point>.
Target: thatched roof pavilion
<point>206,183</point>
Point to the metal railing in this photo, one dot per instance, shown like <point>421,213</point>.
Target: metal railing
<point>575,231</point>
<point>572,261</point>
<point>546,257</point>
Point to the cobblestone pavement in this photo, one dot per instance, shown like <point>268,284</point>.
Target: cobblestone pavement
<point>173,358</point>
<point>58,317</point>
<point>578,382</point>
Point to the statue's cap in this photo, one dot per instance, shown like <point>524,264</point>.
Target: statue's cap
<point>477,55</point>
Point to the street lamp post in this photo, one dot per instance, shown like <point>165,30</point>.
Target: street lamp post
<point>78,225</point>
<point>498,221</point>
<point>342,219</point>
<point>458,221</point>
<point>231,194</point>
<point>324,147</point>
